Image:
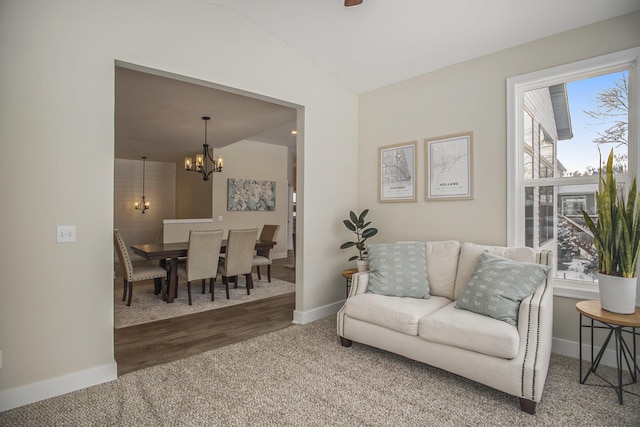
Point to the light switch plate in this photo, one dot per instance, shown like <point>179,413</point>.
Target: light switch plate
<point>66,234</point>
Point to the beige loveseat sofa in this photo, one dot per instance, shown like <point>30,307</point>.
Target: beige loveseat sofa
<point>510,358</point>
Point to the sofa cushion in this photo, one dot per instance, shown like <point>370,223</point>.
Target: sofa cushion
<point>396,313</point>
<point>442,265</point>
<point>470,254</point>
<point>498,285</point>
<point>471,331</point>
<point>398,269</point>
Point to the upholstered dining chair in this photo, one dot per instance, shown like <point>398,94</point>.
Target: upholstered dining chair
<point>133,274</point>
<point>264,256</point>
<point>238,257</point>
<point>203,251</point>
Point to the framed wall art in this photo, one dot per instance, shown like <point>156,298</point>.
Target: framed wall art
<point>397,172</point>
<point>251,195</point>
<point>449,162</point>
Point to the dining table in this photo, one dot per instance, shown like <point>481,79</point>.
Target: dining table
<point>174,251</point>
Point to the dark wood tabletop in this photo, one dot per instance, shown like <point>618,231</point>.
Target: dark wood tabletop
<point>177,250</point>
<point>173,251</point>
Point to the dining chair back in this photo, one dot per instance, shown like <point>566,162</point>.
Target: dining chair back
<point>203,252</point>
<point>265,256</point>
<point>239,257</point>
<point>133,274</point>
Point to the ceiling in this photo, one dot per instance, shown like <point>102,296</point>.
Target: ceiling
<point>385,41</point>
<point>160,117</point>
<point>366,47</point>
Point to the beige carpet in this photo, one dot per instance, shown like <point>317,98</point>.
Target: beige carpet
<point>147,307</point>
<point>301,376</point>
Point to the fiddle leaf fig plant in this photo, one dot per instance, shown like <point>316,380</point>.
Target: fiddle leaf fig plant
<point>357,225</point>
<point>616,234</point>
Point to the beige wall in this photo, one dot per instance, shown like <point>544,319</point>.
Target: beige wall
<point>470,96</point>
<point>57,120</point>
<point>134,226</point>
<point>194,196</point>
<point>257,161</point>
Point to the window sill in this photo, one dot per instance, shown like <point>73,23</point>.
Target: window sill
<point>569,289</point>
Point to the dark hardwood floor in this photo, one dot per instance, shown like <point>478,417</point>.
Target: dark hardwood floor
<point>149,344</point>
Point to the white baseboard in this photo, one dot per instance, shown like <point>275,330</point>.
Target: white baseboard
<point>303,317</point>
<point>35,392</point>
<point>572,349</point>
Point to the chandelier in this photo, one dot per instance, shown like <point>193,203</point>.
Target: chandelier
<point>143,205</point>
<point>204,163</point>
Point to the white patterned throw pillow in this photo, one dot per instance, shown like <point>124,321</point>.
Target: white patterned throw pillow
<point>398,269</point>
<point>498,285</point>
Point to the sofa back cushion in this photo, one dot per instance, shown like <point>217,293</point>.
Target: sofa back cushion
<point>442,264</point>
<point>398,269</point>
<point>470,254</point>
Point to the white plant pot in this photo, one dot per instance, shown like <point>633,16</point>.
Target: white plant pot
<point>617,294</point>
<point>363,265</point>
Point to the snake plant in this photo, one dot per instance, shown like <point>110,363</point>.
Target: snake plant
<point>616,234</point>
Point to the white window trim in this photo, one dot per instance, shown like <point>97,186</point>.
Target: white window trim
<point>516,86</point>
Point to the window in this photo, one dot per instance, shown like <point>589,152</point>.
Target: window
<point>561,125</point>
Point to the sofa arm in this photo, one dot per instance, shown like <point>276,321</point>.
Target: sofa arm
<point>359,283</point>
<point>535,327</point>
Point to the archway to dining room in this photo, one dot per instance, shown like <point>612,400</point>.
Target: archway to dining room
<point>150,331</point>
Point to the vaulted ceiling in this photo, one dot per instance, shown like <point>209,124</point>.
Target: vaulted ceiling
<point>368,46</point>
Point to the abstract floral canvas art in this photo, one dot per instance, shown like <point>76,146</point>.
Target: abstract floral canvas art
<point>251,195</point>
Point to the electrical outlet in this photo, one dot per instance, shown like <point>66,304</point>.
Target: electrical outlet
<point>219,217</point>
<point>66,234</point>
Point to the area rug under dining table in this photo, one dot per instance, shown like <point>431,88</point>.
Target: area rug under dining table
<point>148,307</point>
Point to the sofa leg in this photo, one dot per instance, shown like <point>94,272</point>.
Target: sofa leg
<point>345,342</point>
<point>528,406</point>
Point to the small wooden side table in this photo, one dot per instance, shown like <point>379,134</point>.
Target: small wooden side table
<point>347,275</point>
<point>617,324</point>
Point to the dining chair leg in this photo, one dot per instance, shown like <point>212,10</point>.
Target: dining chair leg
<point>204,285</point>
<point>189,291</point>
<point>124,287</point>
<point>249,279</point>
<point>258,271</point>
<point>130,285</point>
<point>212,285</point>
<point>225,281</point>
<point>268,272</point>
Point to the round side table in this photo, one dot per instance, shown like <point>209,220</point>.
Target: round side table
<point>347,275</point>
<point>616,324</point>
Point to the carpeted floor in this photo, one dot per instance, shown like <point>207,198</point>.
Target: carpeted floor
<point>301,376</point>
<point>148,307</point>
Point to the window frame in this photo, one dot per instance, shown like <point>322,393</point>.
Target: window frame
<point>516,87</point>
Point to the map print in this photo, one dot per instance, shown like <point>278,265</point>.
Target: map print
<point>449,168</point>
<point>397,170</point>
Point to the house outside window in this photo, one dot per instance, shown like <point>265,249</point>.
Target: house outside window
<point>554,160</point>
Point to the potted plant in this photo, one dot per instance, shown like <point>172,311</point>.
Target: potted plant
<point>357,224</point>
<point>616,236</point>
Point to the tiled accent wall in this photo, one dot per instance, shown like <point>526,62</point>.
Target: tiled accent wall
<point>160,178</point>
